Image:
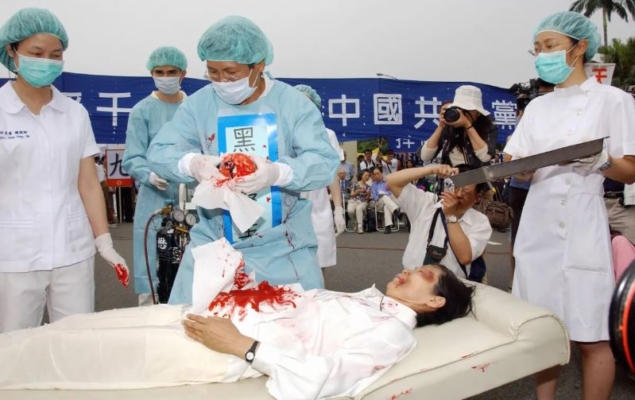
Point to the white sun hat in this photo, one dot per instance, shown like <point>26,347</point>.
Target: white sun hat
<point>469,97</point>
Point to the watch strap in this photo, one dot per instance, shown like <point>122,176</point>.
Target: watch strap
<point>251,353</point>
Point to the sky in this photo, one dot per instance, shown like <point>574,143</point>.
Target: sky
<point>482,41</point>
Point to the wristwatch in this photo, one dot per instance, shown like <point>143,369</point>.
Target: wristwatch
<point>452,219</point>
<point>251,353</point>
<point>606,165</point>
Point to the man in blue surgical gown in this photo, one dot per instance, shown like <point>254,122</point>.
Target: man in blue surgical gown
<point>243,110</point>
<point>167,66</point>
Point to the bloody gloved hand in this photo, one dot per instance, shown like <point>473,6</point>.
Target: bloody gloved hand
<point>204,167</point>
<point>108,253</point>
<point>267,173</point>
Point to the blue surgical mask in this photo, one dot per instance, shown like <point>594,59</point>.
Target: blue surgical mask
<point>552,67</point>
<point>234,92</point>
<point>168,86</point>
<point>39,72</point>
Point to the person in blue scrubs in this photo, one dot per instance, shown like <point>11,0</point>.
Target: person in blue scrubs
<point>168,66</point>
<point>244,110</point>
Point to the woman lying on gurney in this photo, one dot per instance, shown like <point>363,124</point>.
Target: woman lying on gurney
<point>312,344</point>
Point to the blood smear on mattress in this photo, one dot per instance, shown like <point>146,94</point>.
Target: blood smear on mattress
<point>396,396</point>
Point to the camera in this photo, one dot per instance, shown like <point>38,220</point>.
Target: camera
<point>452,114</point>
<point>525,92</point>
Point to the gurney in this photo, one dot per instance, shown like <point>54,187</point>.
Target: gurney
<point>506,339</point>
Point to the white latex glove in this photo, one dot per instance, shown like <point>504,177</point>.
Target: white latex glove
<point>266,175</point>
<point>158,182</point>
<point>108,253</point>
<point>340,222</point>
<point>591,163</point>
<point>204,167</point>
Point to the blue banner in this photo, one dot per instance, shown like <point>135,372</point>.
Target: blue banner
<point>405,112</point>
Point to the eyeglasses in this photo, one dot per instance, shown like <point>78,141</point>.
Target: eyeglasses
<point>218,76</point>
<point>549,48</point>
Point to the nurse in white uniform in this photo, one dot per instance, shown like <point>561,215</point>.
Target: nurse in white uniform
<point>51,203</point>
<point>563,249</point>
<point>321,217</point>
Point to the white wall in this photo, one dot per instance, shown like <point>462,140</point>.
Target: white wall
<point>447,40</point>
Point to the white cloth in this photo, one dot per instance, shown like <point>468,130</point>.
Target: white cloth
<point>386,205</point>
<point>328,344</point>
<point>322,219</point>
<point>65,291</point>
<point>420,208</point>
<point>389,168</point>
<point>366,165</point>
<point>563,248</point>
<point>629,195</point>
<point>43,223</point>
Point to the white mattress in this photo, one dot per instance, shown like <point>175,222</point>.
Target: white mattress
<point>505,340</point>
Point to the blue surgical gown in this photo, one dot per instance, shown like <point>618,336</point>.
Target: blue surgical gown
<point>146,119</point>
<point>285,253</point>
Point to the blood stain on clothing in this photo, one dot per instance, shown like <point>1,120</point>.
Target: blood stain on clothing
<point>467,355</point>
<point>212,137</point>
<point>396,396</point>
<point>268,199</point>
<point>482,367</point>
<point>122,274</point>
<point>263,295</point>
<point>288,236</point>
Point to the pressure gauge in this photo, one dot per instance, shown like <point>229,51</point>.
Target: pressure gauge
<point>178,215</point>
<point>190,219</point>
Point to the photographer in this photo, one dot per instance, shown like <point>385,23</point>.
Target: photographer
<point>454,232</point>
<point>465,134</point>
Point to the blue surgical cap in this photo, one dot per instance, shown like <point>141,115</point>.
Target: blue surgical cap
<point>235,39</point>
<point>574,25</point>
<point>313,95</point>
<point>167,56</point>
<point>26,23</point>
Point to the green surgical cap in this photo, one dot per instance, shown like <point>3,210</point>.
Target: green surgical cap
<point>167,56</point>
<point>235,39</point>
<point>574,25</point>
<point>313,95</point>
<point>26,23</point>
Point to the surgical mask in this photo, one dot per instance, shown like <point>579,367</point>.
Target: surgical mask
<point>234,92</point>
<point>169,86</point>
<point>553,67</point>
<point>39,72</point>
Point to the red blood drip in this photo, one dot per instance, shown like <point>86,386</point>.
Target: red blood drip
<point>212,137</point>
<point>268,199</point>
<point>122,274</point>
<point>241,279</point>
<point>236,165</point>
<point>264,294</point>
<point>288,236</point>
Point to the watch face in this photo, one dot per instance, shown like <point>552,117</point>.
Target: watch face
<point>250,356</point>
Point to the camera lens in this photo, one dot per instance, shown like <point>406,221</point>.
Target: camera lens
<point>452,114</point>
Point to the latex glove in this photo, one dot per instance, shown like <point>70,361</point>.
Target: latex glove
<point>266,175</point>
<point>108,253</point>
<point>340,222</point>
<point>204,167</point>
<point>158,182</point>
<point>591,163</point>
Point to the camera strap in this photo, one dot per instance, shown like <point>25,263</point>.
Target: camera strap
<point>437,214</point>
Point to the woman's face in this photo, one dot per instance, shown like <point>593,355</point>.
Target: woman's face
<point>410,164</point>
<point>38,46</point>
<point>416,288</point>
<point>548,42</point>
<point>365,176</point>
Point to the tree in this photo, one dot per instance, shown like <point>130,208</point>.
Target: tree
<point>620,7</point>
<point>623,55</point>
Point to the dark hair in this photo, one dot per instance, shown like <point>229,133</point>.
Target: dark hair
<point>361,172</point>
<point>481,187</point>
<point>458,299</point>
<point>368,151</point>
<point>372,170</point>
<point>389,151</point>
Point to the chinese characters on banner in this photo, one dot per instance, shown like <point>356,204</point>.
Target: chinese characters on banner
<point>115,174</point>
<point>405,112</point>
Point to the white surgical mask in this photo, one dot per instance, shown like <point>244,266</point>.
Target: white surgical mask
<point>168,86</point>
<point>234,92</point>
